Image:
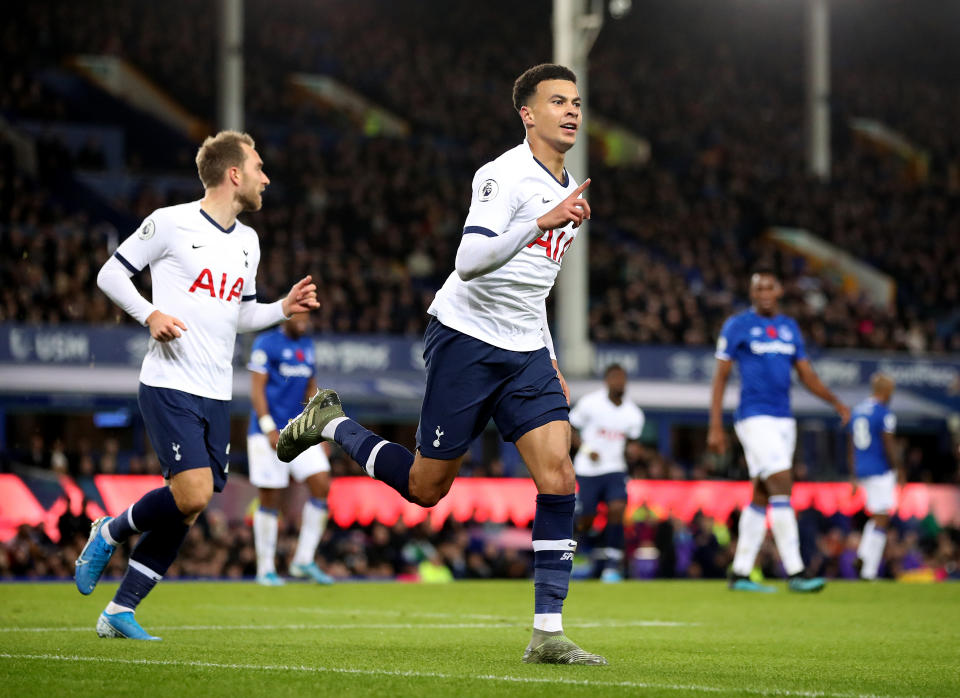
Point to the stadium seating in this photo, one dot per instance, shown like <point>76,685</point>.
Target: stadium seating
<point>673,239</point>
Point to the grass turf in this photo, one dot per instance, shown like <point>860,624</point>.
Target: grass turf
<point>466,639</point>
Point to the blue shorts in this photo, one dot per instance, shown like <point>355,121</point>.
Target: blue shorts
<point>187,431</point>
<point>599,488</point>
<point>470,381</point>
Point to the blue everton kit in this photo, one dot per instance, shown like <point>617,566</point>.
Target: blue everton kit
<point>289,365</point>
<point>765,350</point>
<point>868,422</point>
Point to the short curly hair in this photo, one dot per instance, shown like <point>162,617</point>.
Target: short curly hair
<point>526,85</point>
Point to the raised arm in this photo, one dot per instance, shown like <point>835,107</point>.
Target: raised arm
<point>258,316</point>
<point>483,250</point>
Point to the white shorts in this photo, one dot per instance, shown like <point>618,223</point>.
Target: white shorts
<point>881,492</point>
<point>268,471</point>
<point>768,444</point>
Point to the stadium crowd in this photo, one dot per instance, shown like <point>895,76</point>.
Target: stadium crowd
<point>658,546</point>
<point>376,218</point>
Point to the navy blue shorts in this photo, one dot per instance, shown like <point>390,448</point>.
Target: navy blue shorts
<point>599,488</point>
<point>187,431</point>
<point>470,381</point>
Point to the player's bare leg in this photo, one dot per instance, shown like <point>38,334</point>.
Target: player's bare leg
<point>431,478</point>
<point>546,452</point>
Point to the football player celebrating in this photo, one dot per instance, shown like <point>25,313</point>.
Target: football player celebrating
<point>489,353</point>
<point>203,266</point>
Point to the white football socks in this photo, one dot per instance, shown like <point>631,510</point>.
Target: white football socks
<point>752,530</point>
<point>783,521</point>
<point>871,548</point>
<point>265,525</point>
<point>313,521</point>
<point>548,622</point>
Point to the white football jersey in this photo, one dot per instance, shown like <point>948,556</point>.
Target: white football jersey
<point>200,275</point>
<point>504,307</point>
<point>604,429</point>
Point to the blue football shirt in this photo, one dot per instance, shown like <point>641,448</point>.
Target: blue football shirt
<point>289,365</point>
<point>764,350</point>
<point>868,421</point>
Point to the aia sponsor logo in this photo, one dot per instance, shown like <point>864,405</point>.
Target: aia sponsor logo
<point>204,282</point>
<point>553,245</point>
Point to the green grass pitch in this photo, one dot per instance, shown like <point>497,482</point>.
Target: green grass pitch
<point>466,638</point>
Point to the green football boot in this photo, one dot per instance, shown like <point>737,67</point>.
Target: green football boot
<point>306,428</point>
<point>557,648</point>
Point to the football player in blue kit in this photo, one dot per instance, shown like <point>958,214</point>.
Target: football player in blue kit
<point>875,467</point>
<point>282,370</point>
<point>766,347</point>
<point>489,353</point>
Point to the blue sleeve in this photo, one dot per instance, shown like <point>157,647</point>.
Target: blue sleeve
<point>260,354</point>
<point>801,345</point>
<point>727,343</point>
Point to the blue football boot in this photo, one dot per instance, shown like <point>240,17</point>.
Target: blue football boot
<point>270,579</point>
<point>611,576</point>
<point>746,584</point>
<point>122,625</point>
<point>806,586</point>
<point>311,571</point>
<point>93,558</point>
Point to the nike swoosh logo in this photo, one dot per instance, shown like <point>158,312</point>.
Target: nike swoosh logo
<point>196,246</point>
<point>545,201</point>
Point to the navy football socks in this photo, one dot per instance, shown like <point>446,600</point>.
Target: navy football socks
<point>553,549</point>
<point>383,460</point>
<point>151,558</point>
<point>154,509</point>
<point>615,539</point>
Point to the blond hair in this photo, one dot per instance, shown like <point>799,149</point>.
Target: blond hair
<point>219,153</point>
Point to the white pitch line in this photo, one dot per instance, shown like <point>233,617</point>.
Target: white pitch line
<point>359,626</point>
<point>688,688</point>
<point>432,614</point>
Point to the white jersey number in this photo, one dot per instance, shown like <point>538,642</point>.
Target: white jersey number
<point>861,433</point>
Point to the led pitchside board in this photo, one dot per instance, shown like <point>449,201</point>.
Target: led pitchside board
<point>501,500</point>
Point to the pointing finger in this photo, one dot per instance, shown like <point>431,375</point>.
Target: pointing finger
<point>575,194</point>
